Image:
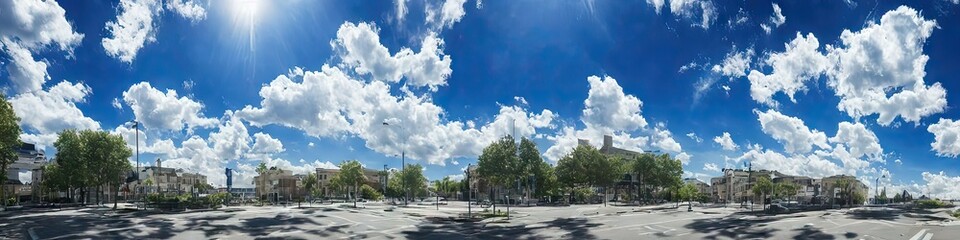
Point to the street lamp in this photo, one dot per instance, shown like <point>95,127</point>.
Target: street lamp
<point>403,166</point>
<point>876,190</point>
<point>136,126</point>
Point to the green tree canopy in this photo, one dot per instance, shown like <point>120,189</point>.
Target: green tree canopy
<point>9,140</point>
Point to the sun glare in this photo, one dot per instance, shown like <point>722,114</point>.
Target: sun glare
<point>246,13</point>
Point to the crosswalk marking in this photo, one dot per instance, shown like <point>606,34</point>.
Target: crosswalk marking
<point>928,237</point>
<point>920,234</point>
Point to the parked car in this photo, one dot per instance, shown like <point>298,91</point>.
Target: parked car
<point>777,208</point>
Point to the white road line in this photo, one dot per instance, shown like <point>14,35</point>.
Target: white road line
<point>919,234</point>
<point>928,237</point>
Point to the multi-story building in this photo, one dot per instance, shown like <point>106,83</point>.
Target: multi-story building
<point>374,177</point>
<point>278,185</point>
<point>736,184</point>
<point>808,188</point>
<point>702,187</point>
<point>830,188</point>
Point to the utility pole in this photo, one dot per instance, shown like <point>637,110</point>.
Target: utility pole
<point>749,178</point>
<point>469,211</point>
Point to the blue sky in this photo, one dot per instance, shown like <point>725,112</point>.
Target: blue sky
<point>306,84</point>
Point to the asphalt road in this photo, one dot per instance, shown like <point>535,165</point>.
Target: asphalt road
<point>426,222</point>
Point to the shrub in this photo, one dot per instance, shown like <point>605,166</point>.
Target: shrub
<point>367,192</point>
<point>217,199</point>
<point>932,203</point>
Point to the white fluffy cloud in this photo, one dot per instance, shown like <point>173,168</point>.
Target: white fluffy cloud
<point>608,108</point>
<point>726,142</point>
<point>608,111</point>
<point>133,28</point>
<point>711,167</point>
<point>450,12</point>
<point>880,69</point>
<point>137,22</point>
<point>859,141</point>
<point>797,64</point>
<point>775,21</point>
<point>29,26</point>
<point>360,49</point>
<point>168,111</point>
<point>231,140</point>
<point>266,144</point>
<point>187,9</point>
<point>330,103</point>
<point>939,185</point>
<point>811,165</point>
<point>795,136</point>
<point>735,64</point>
<point>877,70</point>
<point>946,135</point>
<point>49,112</point>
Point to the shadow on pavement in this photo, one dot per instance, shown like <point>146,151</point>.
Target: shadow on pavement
<point>813,233</point>
<point>576,228</point>
<point>735,227</point>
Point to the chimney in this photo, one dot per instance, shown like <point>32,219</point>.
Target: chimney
<point>607,141</point>
<point>583,142</point>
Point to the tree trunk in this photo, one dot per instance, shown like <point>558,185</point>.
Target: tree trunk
<point>116,193</point>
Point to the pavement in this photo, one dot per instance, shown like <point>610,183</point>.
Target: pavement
<point>384,221</point>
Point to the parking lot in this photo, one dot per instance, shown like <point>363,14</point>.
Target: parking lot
<point>383,221</point>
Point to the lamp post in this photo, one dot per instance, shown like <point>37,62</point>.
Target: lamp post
<point>136,125</point>
<point>403,166</point>
<point>469,192</point>
<point>876,190</point>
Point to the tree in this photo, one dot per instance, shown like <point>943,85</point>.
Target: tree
<point>897,198</point>
<point>644,165</point>
<point>351,175</point>
<point>310,185</point>
<point>367,192</point>
<point>530,164</point>
<point>572,170</point>
<point>70,158</point>
<point>786,190</point>
<point>667,172</point>
<point>9,142</point>
<point>763,187</point>
<point>688,192</point>
<point>882,198</point>
<point>413,180</point>
<point>261,168</point>
<point>498,163</point>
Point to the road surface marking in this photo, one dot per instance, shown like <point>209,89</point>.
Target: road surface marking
<point>928,237</point>
<point>919,234</point>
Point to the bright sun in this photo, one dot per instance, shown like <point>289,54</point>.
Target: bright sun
<point>246,14</point>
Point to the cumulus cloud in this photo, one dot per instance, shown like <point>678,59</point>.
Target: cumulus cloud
<point>858,140</point>
<point>792,132</point>
<point>267,144</point>
<point>726,142</point>
<point>711,167</point>
<point>137,22</point>
<point>608,108</point>
<point>939,185</point>
<point>877,70</point>
<point>450,12</point>
<point>798,63</point>
<point>608,111</point>
<point>360,49</point>
<point>133,28</point>
<point>30,26</point>
<point>187,9</point>
<point>946,135</point>
<point>329,103</point>
<point>811,165</point>
<point>735,64</point>
<point>168,111</point>
<point>51,111</point>
<point>880,69</point>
